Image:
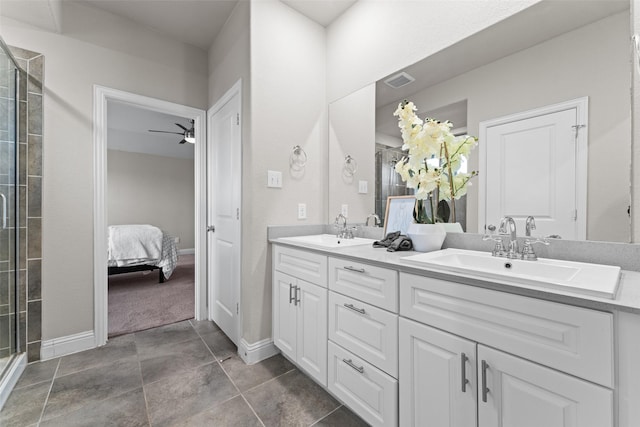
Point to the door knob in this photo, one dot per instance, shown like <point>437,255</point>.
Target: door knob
<point>211,228</point>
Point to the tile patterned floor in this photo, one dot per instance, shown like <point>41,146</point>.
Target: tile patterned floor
<point>185,374</point>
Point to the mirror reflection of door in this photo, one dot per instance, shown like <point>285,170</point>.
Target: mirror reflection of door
<point>536,165</point>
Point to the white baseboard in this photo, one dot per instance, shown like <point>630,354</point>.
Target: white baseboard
<point>258,351</point>
<point>62,346</point>
<point>191,251</point>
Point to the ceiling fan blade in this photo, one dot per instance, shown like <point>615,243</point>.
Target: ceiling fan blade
<point>182,142</point>
<point>165,131</point>
<point>181,127</point>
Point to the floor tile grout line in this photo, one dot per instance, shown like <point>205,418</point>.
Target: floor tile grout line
<point>252,410</point>
<point>96,366</point>
<point>144,392</point>
<point>46,400</point>
<point>331,412</point>
<point>270,379</point>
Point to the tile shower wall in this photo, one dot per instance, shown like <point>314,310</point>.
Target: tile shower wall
<point>30,187</point>
<point>388,182</point>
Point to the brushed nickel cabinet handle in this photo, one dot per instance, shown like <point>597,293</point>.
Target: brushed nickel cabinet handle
<point>291,297</point>
<point>354,308</point>
<point>352,268</point>
<point>485,389</point>
<point>463,372</point>
<point>351,364</point>
<point>297,295</point>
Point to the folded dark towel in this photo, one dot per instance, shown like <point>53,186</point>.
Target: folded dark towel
<point>387,241</point>
<point>402,243</point>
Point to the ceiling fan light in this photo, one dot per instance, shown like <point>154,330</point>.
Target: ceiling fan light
<point>190,139</point>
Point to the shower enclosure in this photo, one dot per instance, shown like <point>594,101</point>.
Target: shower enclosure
<point>12,356</point>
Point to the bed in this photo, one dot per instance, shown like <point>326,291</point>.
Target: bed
<point>141,247</point>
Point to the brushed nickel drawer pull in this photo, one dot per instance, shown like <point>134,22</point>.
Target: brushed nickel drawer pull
<point>357,368</point>
<point>485,389</point>
<point>463,371</point>
<point>291,297</point>
<point>352,307</point>
<point>297,301</point>
<point>352,268</point>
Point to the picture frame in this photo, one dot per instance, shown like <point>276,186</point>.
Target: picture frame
<point>399,214</point>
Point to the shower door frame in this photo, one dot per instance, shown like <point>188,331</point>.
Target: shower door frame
<point>18,360</point>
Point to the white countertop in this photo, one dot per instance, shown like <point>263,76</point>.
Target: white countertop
<point>627,297</point>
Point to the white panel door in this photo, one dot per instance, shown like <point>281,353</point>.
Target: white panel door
<point>284,313</point>
<point>224,187</point>
<point>518,393</point>
<point>531,170</point>
<point>437,377</point>
<point>312,330</point>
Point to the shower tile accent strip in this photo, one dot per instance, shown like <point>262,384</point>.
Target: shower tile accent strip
<point>30,138</point>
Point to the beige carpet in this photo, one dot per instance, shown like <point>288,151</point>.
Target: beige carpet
<point>138,302</point>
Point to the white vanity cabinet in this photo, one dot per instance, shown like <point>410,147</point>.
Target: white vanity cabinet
<point>363,339</point>
<point>300,309</point>
<point>455,363</point>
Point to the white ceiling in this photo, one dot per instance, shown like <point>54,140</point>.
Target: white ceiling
<point>128,130</point>
<point>195,22</point>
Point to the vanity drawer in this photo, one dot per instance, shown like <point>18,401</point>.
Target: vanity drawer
<point>373,285</point>
<point>308,266</point>
<point>366,390</point>
<point>368,331</point>
<point>575,340</point>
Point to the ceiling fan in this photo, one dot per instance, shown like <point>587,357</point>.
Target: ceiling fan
<point>188,135</point>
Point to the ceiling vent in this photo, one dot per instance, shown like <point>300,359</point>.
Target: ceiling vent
<point>398,80</point>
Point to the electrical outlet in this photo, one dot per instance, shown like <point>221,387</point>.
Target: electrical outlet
<point>362,187</point>
<point>176,239</point>
<point>302,211</point>
<point>345,211</point>
<point>274,179</point>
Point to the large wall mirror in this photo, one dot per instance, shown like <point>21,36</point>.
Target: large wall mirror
<point>550,53</point>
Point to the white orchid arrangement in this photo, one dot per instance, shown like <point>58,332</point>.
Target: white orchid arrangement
<point>433,161</point>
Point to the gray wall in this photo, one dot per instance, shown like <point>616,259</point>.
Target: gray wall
<point>150,189</point>
<point>96,48</point>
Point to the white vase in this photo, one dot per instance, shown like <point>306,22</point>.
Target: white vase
<point>426,237</point>
<point>452,227</point>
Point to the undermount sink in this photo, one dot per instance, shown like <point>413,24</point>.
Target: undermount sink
<point>585,278</point>
<point>326,241</point>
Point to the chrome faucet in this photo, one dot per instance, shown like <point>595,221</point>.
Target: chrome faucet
<point>513,251</point>
<point>529,225</point>
<point>527,250</point>
<point>508,229</point>
<point>376,220</point>
<point>344,232</point>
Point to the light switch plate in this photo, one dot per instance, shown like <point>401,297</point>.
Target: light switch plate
<point>302,211</point>
<point>345,211</point>
<point>274,179</point>
<point>362,187</point>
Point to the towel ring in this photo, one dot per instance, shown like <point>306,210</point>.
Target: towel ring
<point>350,165</point>
<point>298,158</point>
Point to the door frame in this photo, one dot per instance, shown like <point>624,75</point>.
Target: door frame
<point>101,96</point>
<point>581,151</point>
<point>235,90</point>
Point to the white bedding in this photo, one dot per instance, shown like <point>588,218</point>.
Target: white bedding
<point>142,244</point>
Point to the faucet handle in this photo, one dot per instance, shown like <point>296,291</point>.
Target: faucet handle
<point>498,249</point>
<point>527,250</point>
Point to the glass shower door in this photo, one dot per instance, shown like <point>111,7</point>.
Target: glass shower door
<point>9,261</point>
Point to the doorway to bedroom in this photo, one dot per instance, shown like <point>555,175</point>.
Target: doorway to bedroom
<point>150,215</point>
<point>149,179</point>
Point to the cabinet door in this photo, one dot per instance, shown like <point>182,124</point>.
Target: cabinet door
<point>524,394</point>
<point>437,377</point>
<point>284,313</point>
<point>312,330</point>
